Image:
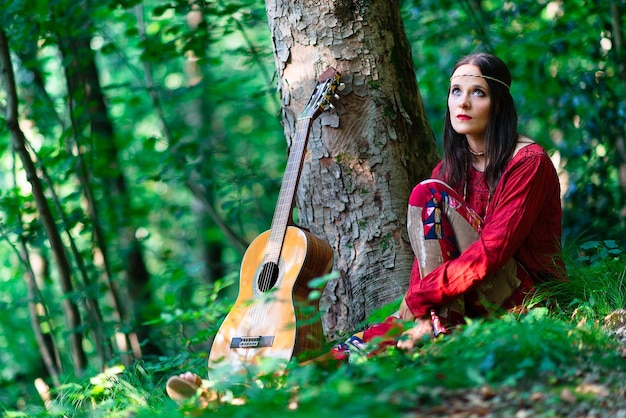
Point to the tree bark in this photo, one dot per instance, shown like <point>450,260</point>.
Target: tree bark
<point>365,156</point>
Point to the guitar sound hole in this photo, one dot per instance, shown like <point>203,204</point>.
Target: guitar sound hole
<point>268,276</point>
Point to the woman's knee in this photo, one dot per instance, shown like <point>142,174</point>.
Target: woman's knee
<point>424,192</point>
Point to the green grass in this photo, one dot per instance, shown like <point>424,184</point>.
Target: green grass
<point>513,352</point>
<point>597,284</point>
<point>539,355</point>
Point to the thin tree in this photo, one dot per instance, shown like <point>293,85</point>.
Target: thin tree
<point>70,308</point>
<point>94,138</point>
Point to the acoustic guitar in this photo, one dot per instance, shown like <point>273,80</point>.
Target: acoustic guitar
<point>272,315</point>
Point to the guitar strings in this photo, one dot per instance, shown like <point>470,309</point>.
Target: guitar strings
<point>284,208</point>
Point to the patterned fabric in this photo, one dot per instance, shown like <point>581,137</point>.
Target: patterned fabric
<point>371,341</point>
<point>477,193</point>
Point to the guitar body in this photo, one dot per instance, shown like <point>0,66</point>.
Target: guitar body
<point>278,322</point>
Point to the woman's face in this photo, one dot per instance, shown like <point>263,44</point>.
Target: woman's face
<point>469,101</point>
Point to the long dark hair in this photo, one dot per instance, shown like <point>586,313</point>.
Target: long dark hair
<point>501,133</point>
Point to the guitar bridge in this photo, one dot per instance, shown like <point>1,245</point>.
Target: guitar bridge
<point>252,342</point>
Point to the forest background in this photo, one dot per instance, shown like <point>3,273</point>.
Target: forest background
<point>183,169</point>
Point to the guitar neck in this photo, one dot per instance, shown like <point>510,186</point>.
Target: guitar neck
<point>320,99</point>
<point>286,197</point>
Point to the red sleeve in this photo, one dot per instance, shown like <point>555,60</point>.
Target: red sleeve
<point>515,208</point>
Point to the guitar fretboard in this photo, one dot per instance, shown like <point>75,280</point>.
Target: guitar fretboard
<point>287,194</point>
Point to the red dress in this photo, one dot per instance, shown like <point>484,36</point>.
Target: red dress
<point>522,220</point>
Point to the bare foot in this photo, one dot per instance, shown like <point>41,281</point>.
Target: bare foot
<point>191,377</point>
<point>183,386</point>
<point>188,385</point>
<point>418,334</point>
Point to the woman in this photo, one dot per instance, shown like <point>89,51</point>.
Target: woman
<point>487,227</point>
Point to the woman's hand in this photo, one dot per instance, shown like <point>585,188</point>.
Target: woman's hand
<point>422,330</point>
<point>404,312</point>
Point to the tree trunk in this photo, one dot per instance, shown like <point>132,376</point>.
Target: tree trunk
<point>84,91</point>
<point>39,314</point>
<point>365,157</point>
<point>199,116</point>
<point>70,309</point>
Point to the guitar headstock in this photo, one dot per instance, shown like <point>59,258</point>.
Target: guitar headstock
<point>324,90</point>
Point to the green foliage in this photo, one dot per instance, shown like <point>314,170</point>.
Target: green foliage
<point>17,346</point>
<point>565,60</point>
<point>596,285</point>
<point>543,347</point>
<point>511,352</point>
<point>199,322</point>
<point>206,133</point>
<point>196,105</point>
<point>596,251</point>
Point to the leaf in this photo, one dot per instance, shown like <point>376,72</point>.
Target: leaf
<point>321,281</point>
<point>589,245</point>
<point>161,10</point>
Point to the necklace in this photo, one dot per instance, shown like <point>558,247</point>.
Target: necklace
<point>476,154</point>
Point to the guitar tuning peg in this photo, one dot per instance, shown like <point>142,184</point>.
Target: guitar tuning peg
<point>332,106</point>
<point>336,96</point>
<point>341,86</point>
